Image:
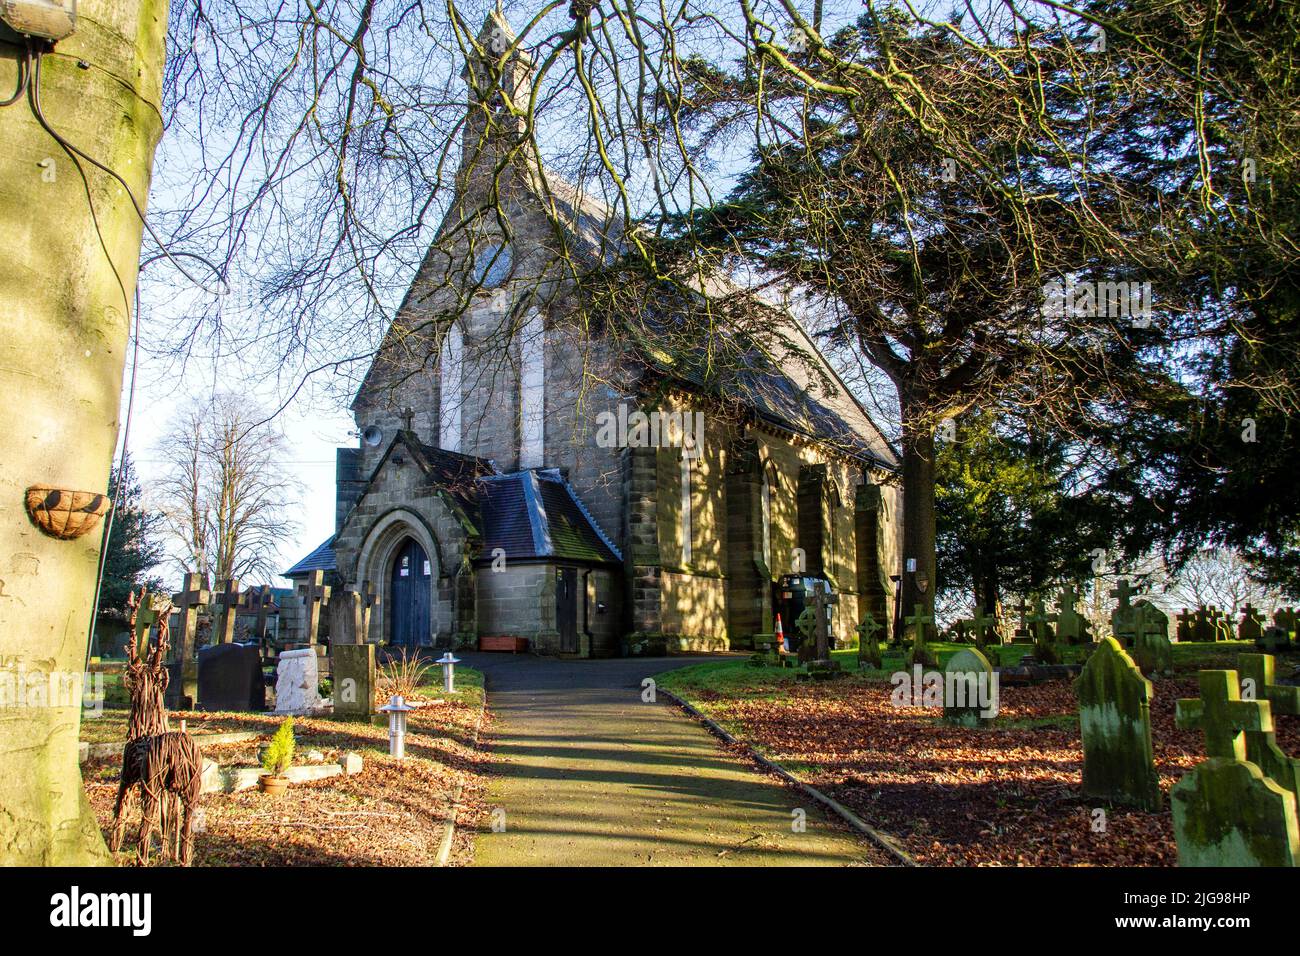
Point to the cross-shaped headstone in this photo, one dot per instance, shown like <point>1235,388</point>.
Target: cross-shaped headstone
<point>1023,610</point>
<point>1068,599</point>
<point>868,645</point>
<point>192,598</point>
<point>370,599</point>
<point>228,598</point>
<point>263,603</point>
<point>1123,593</point>
<point>144,617</point>
<point>1222,715</point>
<point>1185,621</point>
<point>313,591</point>
<point>983,623</point>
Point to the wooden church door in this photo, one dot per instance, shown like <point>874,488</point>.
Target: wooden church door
<point>566,608</point>
<point>410,593</point>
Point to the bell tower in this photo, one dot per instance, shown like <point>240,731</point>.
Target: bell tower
<point>498,78</point>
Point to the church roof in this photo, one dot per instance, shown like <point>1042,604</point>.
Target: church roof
<point>535,515</point>
<point>321,559</point>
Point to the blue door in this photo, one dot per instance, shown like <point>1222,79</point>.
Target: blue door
<point>410,594</point>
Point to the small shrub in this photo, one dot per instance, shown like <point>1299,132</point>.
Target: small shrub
<point>279,753</point>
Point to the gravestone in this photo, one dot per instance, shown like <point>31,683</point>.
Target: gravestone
<point>370,599</point>
<point>1185,621</point>
<point>986,631</point>
<point>1251,626</point>
<point>183,671</point>
<point>970,689</point>
<point>1115,725</point>
<point>1123,620</point>
<point>1040,623</point>
<point>868,643</point>
<point>1071,626</point>
<point>1273,640</point>
<point>1220,625</point>
<point>1226,812</point>
<point>313,592</point>
<point>1284,617</point>
<point>1256,672</point>
<point>919,621</point>
<point>1023,635</point>
<point>353,672</point>
<point>1202,626</point>
<point>345,618</point>
<point>297,682</point>
<point>228,598</point>
<point>259,601</point>
<point>1152,651</point>
<point>230,678</point>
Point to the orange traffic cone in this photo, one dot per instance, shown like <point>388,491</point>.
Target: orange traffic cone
<point>780,638</point>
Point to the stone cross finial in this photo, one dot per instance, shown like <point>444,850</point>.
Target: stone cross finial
<point>1223,716</point>
<point>228,598</point>
<point>313,591</point>
<point>193,597</point>
<point>408,416</point>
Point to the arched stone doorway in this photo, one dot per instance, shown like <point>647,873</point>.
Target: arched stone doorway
<point>401,556</point>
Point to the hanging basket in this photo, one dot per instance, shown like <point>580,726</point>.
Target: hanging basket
<point>65,514</point>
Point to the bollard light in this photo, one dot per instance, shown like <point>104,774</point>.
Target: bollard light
<point>396,709</point>
<point>448,672</point>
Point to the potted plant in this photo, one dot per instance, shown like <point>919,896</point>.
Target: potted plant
<point>276,760</point>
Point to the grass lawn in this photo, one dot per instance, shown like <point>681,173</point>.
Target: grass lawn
<point>392,813</point>
<point>1003,795</point>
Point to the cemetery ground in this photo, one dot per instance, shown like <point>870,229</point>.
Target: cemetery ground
<point>392,813</point>
<point>1007,794</point>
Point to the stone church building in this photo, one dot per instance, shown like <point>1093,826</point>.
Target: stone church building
<point>505,482</point>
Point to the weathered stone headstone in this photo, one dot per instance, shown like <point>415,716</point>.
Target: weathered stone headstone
<point>353,674</point>
<point>1071,626</point>
<point>297,684</point>
<point>986,631</point>
<point>1185,621</point>
<point>868,643</point>
<point>1023,634</point>
<point>1123,620</point>
<point>259,601</point>
<point>1202,626</point>
<point>228,599</point>
<point>1115,724</point>
<point>1220,625</point>
<point>183,671</point>
<point>345,618</point>
<point>1152,651</point>
<point>919,622</point>
<point>1226,812</point>
<point>313,592</point>
<point>1040,623</point>
<point>1256,672</point>
<point>1284,617</point>
<point>230,678</point>
<point>1251,626</point>
<point>1274,640</point>
<point>970,689</point>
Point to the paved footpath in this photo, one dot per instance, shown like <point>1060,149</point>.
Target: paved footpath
<point>588,775</point>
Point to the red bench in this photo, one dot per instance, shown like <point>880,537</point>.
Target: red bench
<point>515,645</point>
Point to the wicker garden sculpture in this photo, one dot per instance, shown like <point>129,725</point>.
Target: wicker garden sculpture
<point>166,764</point>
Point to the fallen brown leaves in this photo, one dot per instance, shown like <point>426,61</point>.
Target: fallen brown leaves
<point>393,813</point>
<point>1003,796</point>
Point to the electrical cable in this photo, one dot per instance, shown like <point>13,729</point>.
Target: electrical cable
<point>24,77</point>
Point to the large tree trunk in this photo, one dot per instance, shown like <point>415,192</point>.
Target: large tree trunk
<point>918,507</point>
<point>64,336</point>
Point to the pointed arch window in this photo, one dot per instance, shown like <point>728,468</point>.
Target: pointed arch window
<point>532,391</point>
<point>450,400</point>
<point>686,510</point>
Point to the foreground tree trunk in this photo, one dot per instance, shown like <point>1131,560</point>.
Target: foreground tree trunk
<point>63,337</point>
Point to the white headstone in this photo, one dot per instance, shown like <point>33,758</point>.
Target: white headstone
<point>297,683</point>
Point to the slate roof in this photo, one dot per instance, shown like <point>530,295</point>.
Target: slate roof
<point>321,559</point>
<point>535,515</point>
